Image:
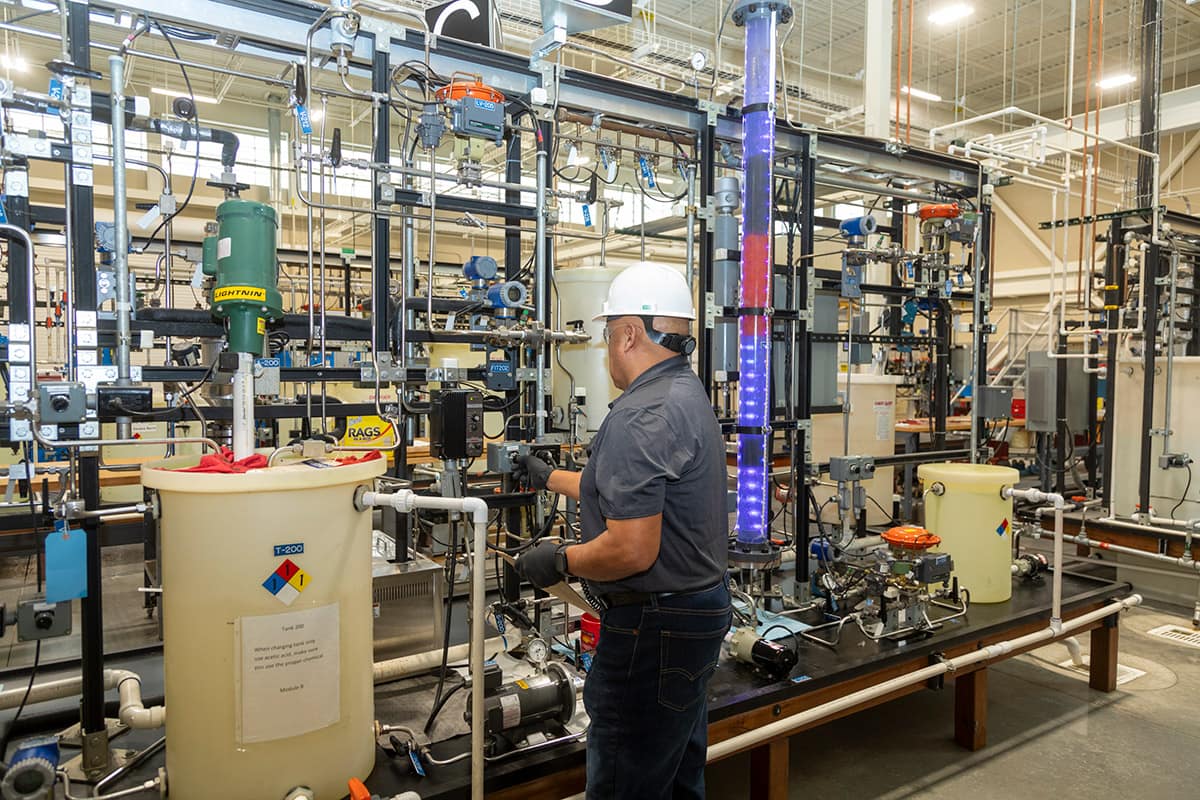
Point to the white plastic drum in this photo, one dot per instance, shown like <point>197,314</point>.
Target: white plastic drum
<point>267,629</point>
<point>974,523</point>
<point>582,292</point>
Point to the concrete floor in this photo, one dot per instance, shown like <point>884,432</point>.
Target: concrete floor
<point>1049,735</point>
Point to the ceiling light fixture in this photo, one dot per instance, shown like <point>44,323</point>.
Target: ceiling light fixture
<point>922,94</point>
<point>951,13</point>
<point>1113,81</point>
<point>199,98</point>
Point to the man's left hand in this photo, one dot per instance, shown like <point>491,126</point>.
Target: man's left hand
<point>543,566</point>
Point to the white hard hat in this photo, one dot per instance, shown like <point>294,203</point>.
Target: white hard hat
<point>647,289</point>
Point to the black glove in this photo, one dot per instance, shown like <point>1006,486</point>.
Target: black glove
<point>544,565</point>
<point>533,470</point>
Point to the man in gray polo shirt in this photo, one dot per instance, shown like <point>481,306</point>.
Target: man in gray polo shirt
<point>655,538</point>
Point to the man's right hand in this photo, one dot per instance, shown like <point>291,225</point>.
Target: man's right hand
<point>533,470</point>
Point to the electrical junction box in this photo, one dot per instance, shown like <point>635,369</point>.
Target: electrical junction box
<point>114,401</point>
<point>502,456</point>
<point>38,619</point>
<point>1041,392</point>
<point>851,468</point>
<point>500,376</point>
<point>62,403</point>
<point>456,424</point>
<point>994,402</point>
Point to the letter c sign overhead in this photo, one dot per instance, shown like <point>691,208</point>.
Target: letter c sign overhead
<point>465,20</point>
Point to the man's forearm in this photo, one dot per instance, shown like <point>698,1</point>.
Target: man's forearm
<point>565,482</point>
<point>599,560</point>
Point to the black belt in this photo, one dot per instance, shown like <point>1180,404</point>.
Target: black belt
<point>616,599</point>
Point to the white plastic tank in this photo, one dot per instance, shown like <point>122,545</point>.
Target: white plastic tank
<point>267,626</point>
<point>582,292</point>
<point>975,524</point>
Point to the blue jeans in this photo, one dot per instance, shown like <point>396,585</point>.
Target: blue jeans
<point>646,696</point>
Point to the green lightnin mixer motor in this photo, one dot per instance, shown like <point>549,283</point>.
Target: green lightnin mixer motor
<point>241,256</point>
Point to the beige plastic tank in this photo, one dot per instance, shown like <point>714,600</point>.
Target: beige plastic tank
<point>974,523</point>
<point>267,629</point>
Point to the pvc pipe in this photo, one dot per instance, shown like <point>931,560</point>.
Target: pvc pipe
<point>116,65</point>
<point>1075,650</point>
<point>406,501</point>
<point>243,407</point>
<point>128,685</point>
<point>404,666</point>
<point>788,725</point>
<point>133,713</point>
<point>1035,496</point>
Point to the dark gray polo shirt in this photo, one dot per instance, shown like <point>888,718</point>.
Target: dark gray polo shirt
<point>660,450</point>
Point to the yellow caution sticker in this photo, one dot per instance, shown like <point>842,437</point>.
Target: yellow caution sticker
<point>262,326</point>
<point>369,430</point>
<point>522,684</point>
<point>253,294</point>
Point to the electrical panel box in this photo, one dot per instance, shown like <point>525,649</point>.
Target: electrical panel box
<point>62,403</point>
<point>994,402</point>
<point>1041,392</point>
<point>823,360</point>
<point>456,424</point>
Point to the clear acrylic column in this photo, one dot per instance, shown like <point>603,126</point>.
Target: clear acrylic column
<point>761,20</point>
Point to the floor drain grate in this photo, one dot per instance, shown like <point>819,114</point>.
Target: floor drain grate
<point>1178,634</point>
<point>1124,674</point>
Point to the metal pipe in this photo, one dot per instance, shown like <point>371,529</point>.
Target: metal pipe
<point>690,266</point>
<point>1170,348</point>
<point>69,443</point>
<point>116,65</point>
<point>788,725</point>
<point>539,280</point>
<point>13,232</point>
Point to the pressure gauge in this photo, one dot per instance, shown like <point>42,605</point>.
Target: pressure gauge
<point>537,652</point>
<point>699,60</point>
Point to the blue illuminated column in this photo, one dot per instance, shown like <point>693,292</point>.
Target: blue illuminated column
<point>761,20</point>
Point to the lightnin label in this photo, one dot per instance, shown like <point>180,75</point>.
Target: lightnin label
<point>253,294</point>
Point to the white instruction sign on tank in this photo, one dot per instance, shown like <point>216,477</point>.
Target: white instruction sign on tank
<point>885,416</point>
<point>289,674</point>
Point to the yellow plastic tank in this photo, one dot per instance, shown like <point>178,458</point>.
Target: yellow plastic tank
<point>267,625</point>
<point>975,524</point>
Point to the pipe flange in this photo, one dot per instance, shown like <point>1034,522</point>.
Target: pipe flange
<point>763,556</point>
<point>745,8</point>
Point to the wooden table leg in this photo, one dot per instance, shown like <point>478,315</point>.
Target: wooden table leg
<point>769,770</point>
<point>1103,671</point>
<point>970,709</point>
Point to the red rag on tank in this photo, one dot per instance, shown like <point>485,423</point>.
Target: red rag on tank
<point>223,463</point>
